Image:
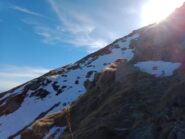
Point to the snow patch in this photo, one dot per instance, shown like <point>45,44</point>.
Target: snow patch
<point>17,137</point>
<point>55,131</point>
<point>158,68</point>
<point>127,53</point>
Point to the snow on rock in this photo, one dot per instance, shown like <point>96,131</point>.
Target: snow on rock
<point>18,137</point>
<point>55,132</point>
<point>63,88</point>
<point>16,91</point>
<point>158,68</point>
<point>124,45</point>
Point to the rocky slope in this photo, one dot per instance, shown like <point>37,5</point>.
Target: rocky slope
<point>132,89</point>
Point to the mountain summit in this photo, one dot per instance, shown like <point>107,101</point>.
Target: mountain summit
<point>133,88</point>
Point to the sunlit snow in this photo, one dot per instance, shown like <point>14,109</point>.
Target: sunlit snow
<point>32,107</point>
<point>158,68</point>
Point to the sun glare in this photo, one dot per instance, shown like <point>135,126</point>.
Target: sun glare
<point>158,10</point>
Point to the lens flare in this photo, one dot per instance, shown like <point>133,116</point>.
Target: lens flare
<point>155,11</point>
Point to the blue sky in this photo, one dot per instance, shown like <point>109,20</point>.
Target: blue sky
<point>39,35</point>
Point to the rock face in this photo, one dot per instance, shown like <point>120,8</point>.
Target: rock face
<point>178,131</point>
<point>131,89</point>
<point>145,132</point>
<point>114,109</point>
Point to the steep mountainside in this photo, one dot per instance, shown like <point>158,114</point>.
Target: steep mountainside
<point>131,89</point>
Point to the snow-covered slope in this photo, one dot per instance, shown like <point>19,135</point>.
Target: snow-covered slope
<point>22,106</point>
<point>52,92</point>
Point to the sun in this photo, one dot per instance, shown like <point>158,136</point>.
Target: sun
<point>157,10</point>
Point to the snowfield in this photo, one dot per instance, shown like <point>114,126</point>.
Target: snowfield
<point>71,83</point>
<point>158,68</point>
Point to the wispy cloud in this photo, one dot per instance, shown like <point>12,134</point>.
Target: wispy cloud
<point>57,35</point>
<point>8,84</point>
<point>92,27</point>
<point>27,72</point>
<point>78,37</point>
<point>76,28</point>
<point>11,75</point>
<point>27,11</point>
